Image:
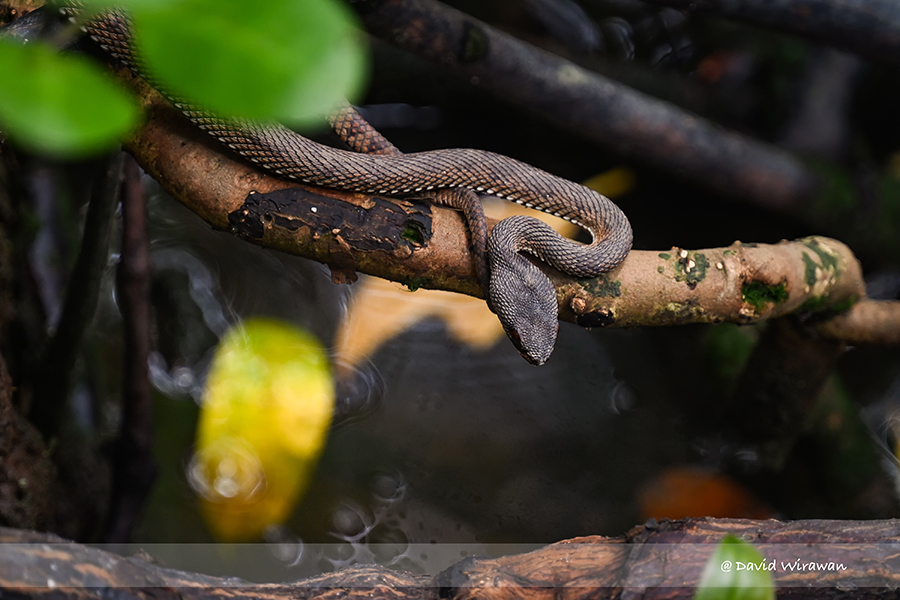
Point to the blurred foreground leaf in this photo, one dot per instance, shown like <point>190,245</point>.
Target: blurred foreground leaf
<point>266,410</point>
<point>61,104</point>
<point>279,60</point>
<point>282,59</point>
<point>735,571</point>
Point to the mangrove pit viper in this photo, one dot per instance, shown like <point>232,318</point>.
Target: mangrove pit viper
<point>521,295</point>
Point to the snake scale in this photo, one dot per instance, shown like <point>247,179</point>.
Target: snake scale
<point>521,295</point>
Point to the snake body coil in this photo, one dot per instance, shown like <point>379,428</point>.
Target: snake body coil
<point>519,293</point>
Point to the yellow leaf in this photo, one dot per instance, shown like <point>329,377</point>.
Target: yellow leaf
<point>266,411</point>
<point>612,183</point>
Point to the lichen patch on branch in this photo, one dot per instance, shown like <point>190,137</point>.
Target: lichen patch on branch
<point>744,283</point>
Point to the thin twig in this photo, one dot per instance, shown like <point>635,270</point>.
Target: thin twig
<point>52,386</point>
<point>868,322</point>
<point>134,468</point>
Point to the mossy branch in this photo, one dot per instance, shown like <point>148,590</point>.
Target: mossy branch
<point>815,278</point>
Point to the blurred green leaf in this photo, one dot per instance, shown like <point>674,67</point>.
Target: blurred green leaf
<point>282,59</point>
<point>736,571</point>
<point>61,104</point>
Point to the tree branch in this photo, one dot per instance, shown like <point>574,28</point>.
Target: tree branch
<point>868,322</point>
<point>424,246</point>
<point>653,561</point>
<point>781,382</point>
<point>626,122</point>
<point>82,293</point>
<point>870,28</point>
<point>134,467</point>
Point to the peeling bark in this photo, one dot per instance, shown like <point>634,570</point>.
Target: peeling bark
<point>657,560</point>
<point>10,10</point>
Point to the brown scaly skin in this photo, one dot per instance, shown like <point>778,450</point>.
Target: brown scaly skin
<point>359,134</point>
<point>522,296</point>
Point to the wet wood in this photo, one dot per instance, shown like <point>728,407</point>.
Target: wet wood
<point>852,559</point>
<point>340,228</point>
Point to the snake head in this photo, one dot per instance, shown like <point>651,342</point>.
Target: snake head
<point>525,302</point>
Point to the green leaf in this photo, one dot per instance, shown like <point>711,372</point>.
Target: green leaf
<point>285,60</point>
<point>736,571</point>
<point>61,104</point>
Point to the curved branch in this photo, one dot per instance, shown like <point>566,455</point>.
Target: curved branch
<point>868,322</point>
<point>423,246</point>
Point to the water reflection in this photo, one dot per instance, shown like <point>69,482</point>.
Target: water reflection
<point>226,470</point>
<point>443,438</point>
<point>358,391</point>
<point>284,545</point>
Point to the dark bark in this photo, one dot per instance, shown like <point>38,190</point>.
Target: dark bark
<point>620,119</point>
<point>870,28</point>
<point>779,387</point>
<point>134,467</point>
<point>27,476</point>
<point>51,386</point>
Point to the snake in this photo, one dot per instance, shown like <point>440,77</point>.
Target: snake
<point>520,293</point>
